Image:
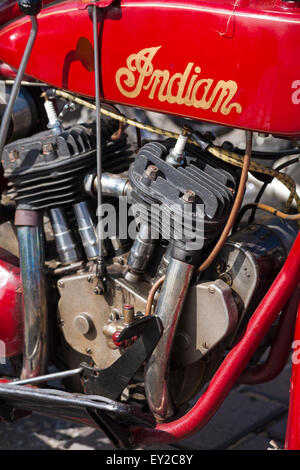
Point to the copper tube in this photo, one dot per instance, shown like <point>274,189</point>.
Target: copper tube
<point>278,213</point>
<point>152,293</point>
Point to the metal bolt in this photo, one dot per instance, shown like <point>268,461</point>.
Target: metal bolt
<point>89,350</point>
<point>205,345</point>
<point>97,291</point>
<point>121,261</point>
<point>151,171</point>
<point>211,289</point>
<point>47,148</point>
<point>186,130</point>
<point>60,284</point>
<point>13,155</point>
<point>226,278</point>
<point>189,196</point>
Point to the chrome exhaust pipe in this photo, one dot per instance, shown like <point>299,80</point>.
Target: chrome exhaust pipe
<point>35,315</point>
<point>169,308</point>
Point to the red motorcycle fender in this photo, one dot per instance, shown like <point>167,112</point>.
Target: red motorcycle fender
<point>11,328</point>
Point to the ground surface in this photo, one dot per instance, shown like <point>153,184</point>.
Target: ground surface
<point>248,419</point>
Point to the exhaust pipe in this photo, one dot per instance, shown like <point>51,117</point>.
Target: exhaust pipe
<point>35,315</point>
<point>169,308</point>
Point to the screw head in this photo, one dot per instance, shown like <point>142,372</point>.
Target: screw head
<point>151,171</point>
<point>47,148</point>
<point>97,290</point>
<point>189,196</point>
<point>211,289</point>
<point>13,155</point>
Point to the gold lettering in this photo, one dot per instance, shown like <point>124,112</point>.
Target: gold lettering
<point>155,81</point>
<point>140,62</point>
<point>201,93</point>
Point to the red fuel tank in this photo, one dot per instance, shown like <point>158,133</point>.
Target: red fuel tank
<point>234,63</point>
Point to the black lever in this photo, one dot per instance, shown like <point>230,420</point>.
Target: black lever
<point>110,382</point>
<point>31,8</point>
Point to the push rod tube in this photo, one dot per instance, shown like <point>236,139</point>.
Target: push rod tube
<point>64,238</point>
<point>168,309</point>
<point>35,317</point>
<point>235,362</point>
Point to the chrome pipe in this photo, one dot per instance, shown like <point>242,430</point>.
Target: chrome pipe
<point>35,315</point>
<point>87,230</point>
<point>64,238</point>
<point>140,253</point>
<point>48,377</point>
<point>169,308</point>
<point>112,184</point>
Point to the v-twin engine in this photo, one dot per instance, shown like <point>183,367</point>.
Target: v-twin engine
<point>162,214</point>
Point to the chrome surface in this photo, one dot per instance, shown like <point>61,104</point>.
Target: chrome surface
<point>47,377</point>
<point>64,238</point>
<point>31,246</point>
<point>87,230</point>
<point>141,252</point>
<point>112,184</point>
<point>168,309</point>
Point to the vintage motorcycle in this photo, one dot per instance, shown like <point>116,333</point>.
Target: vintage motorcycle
<point>122,331</point>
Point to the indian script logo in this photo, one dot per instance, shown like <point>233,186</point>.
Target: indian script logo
<point>181,88</point>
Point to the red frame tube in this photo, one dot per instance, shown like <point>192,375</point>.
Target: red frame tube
<point>280,349</point>
<point>292,441</point>
<point>235,362</point>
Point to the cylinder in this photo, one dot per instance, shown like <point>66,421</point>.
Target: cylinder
<point>64,238</point>
<point>31,245</point>
<point>169,308</point>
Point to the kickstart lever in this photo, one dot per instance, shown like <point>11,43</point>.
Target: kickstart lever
<point>111,382</point>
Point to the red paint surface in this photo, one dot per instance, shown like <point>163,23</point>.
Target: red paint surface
<point>293,427</point>
<point>280,349</point>
<point>234,363</point>
<point>254,44</point>
<point>11,330</point>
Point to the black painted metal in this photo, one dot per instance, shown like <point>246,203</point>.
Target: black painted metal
<point>112,381</point>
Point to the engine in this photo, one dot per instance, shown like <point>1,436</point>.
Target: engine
<point>176,203</point>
